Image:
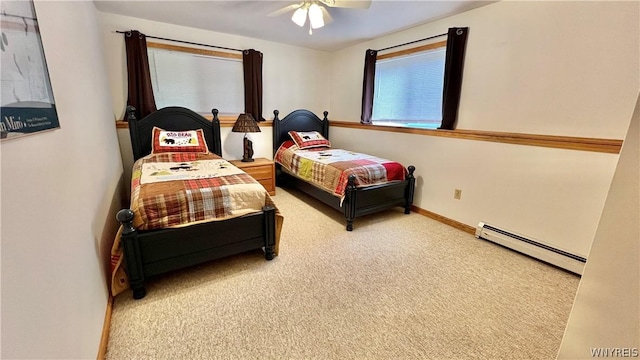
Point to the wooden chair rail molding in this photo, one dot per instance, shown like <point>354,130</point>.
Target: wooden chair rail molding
<point>225,121</point>
<point>611,146</point>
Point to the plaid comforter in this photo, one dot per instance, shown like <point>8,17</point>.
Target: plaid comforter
<point>178,203</point>
<point>330,168</point>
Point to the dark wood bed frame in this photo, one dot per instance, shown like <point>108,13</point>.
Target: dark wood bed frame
<point>153,252</point>
<point>358,201</point>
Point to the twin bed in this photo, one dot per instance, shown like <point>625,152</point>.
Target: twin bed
<point>203,223</point>
<point>367,184</point>
<point>163,231</point>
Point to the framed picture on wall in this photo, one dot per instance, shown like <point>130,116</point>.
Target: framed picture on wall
<point>27,104</point>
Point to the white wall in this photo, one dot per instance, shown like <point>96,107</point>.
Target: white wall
<point>59,191</point>
<point>606,311</point>
<point>537,67</point>
<point>555,68</point>
<point>293,77</point>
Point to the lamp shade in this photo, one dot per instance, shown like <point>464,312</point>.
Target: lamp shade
<point>315,16</point>
<point>245,124</point>
<point>300,16</point>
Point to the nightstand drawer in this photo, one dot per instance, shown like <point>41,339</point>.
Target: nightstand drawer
<point>260,172</point>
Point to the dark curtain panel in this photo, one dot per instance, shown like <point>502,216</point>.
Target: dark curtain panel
<point>454,63</point>
<point>368,83</point>
<point>140,90</point>
<point>252,64</point>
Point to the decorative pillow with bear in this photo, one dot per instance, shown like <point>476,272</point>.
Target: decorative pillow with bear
<point>178,141</point>
<point>309,139</point>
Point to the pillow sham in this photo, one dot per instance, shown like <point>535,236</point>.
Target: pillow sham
<point>178,141</point>
<point>278,156</point>
<point>309,139</point>
<point>286,144</point>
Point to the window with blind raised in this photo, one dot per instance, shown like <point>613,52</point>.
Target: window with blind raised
<point>408,89</point>
<point>198,82</point>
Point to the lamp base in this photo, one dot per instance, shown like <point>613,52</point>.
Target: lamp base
<point>248,151</point>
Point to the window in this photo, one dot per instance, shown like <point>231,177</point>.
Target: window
<point>408,87</point>
<point>196,79</point>
<point>403,98</point>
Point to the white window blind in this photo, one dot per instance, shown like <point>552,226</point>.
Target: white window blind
<point>197,82</point>
<point>409,89</point>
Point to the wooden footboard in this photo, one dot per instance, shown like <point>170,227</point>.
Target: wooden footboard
<point>359,201</point>
<point>149,253</point>
<point>371,199</point>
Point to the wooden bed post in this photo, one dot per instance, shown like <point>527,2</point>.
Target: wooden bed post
<point>133,130</point>
<point>410,189</point>
<point>269,232</point>
<point>276,131</point>
<point>275,117</point>
<point>131,245</point>
<point>350,201</point>
<point>325,125</point>
<point>216,132</point>
<point>276,143</point>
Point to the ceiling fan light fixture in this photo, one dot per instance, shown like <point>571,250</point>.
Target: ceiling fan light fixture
<point>300,16</point>
<point>315,16</point>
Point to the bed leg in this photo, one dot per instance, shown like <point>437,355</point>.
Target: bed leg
<point>131,247</point>
<point>269,232</point>
<point>408,196</point>
<point>139,292</point>
<point>349,225</point>
<point>350,202</point>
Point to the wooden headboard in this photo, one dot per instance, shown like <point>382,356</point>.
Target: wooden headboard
<point>172,118</point>
<point>298,120</point>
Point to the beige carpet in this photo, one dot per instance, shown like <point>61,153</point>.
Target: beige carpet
<point>397,287</point>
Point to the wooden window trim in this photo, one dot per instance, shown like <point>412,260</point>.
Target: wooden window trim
<point>422,48</point>
<point>196,51</point>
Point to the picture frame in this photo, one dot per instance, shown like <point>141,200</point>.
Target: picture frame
<point>27,104</point>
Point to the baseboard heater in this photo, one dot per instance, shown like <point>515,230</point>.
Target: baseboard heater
<point>533,248</point>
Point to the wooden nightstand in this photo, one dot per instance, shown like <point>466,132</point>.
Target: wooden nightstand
<point>262,170</point>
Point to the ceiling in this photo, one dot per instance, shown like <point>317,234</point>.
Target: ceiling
<point>250,18</point>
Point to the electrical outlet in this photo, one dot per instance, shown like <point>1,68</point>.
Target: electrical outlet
<point>457,194</point>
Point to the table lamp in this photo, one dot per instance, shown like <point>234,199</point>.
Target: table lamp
<point>246,124</point>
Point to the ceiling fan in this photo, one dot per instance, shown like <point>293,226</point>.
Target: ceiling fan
<point>316,12</point>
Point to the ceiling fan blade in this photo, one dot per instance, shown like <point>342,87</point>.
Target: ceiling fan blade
<point>353,4</point>
<point>326,16</point>
<point>285,9</point>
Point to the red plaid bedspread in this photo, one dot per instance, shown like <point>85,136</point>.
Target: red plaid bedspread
<point>178,203</point>
<point>330,168</point>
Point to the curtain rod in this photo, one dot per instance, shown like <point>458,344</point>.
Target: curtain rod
<point>184,42</point>
<point>411,42</point>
